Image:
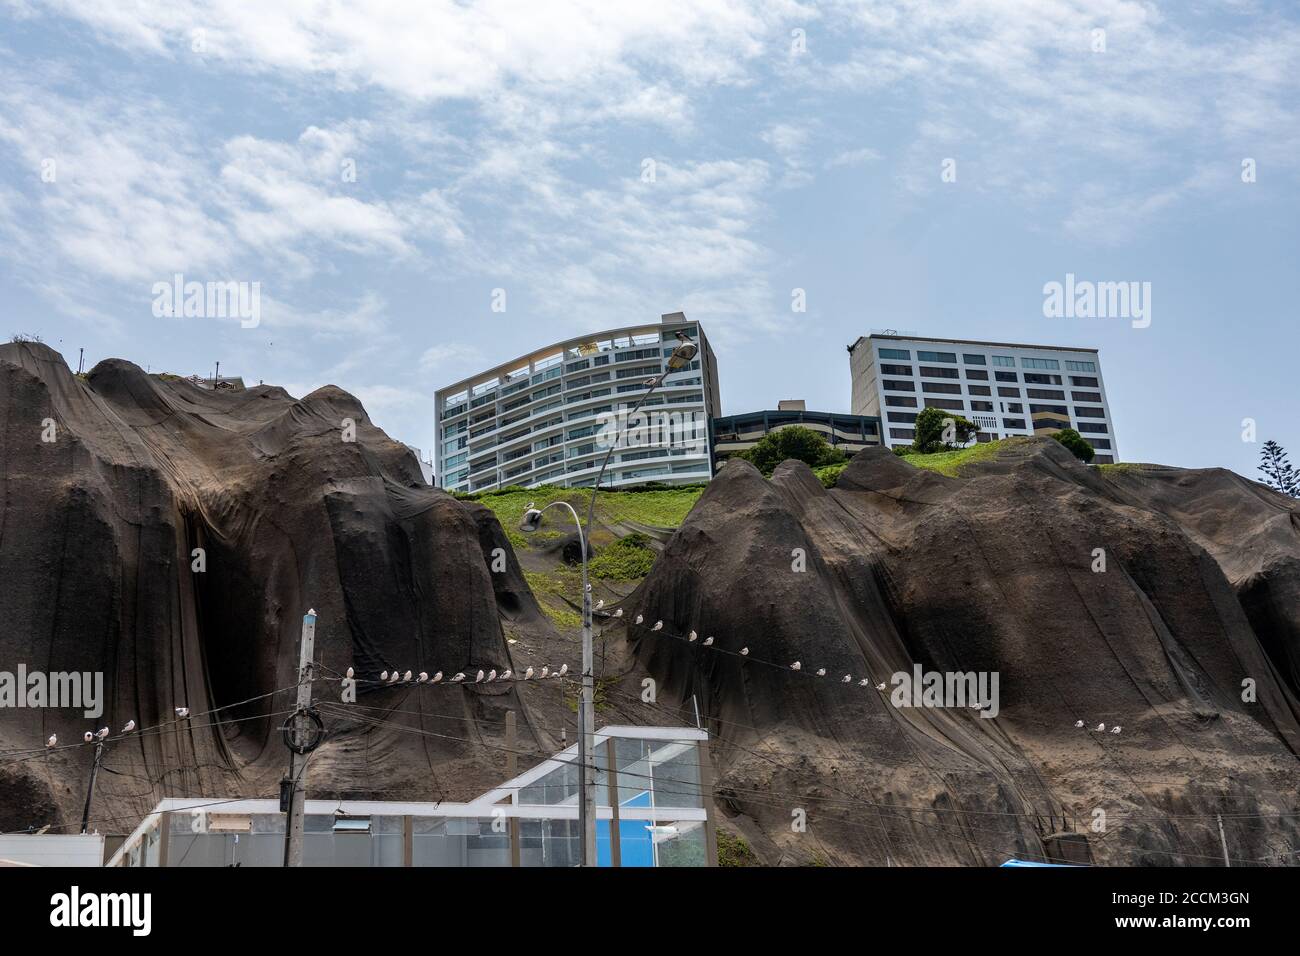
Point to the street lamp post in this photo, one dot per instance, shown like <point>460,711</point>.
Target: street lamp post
<point>532,520</point>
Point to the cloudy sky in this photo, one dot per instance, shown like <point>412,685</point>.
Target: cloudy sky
<point>380,168</point>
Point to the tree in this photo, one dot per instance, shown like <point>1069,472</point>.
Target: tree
<point>792,441</point>
<point>1278,473</point>
<point>937,430</point>
<point>1076,443</point>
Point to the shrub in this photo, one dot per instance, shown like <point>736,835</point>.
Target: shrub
<point>937,430</point>
<point>1077,444</point>
<point>626,559</point>
<point>792,441</point>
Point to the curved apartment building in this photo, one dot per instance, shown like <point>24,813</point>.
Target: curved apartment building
<point>549,417</point>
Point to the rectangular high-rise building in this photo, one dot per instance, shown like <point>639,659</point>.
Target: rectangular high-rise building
<point>1005,388</point>
<point>549,417</point>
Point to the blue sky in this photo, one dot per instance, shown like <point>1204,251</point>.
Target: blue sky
<point>795,146</point>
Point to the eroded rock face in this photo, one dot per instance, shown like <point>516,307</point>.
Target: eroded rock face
<point>990,573</point>
<point>98,530</point>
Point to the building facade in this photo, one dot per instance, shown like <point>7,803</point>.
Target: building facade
<point>549,417</point>
<point>1005,388</point>
<point>737,433</point>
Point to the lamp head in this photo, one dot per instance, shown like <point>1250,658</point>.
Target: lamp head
<point>532,520</point>
<point>685,351</point>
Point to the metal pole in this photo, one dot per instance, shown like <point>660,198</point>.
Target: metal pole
<point>296,818</point>
<point>90,792</point>
<point>1223,839</point>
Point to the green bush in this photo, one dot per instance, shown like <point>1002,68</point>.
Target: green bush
<point>939,430</point>
<point>829,475</point>
<point>628,558</point>
<point>1077,444</point>
<point>792,442</point>
<point>734,850</point>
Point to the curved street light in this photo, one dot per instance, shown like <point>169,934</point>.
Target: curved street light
<point>681,357</point>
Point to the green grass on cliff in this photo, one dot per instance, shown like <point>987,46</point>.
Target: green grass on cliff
<point>951,463</point>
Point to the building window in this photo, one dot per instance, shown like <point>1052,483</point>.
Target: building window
<point>1013,423</point>
<point>1015,408</point>
<point>896,354</point>
<point>1084,381</point>
<point>1099,443</point>
<point>941,388</point>
<point>981,406</point>
<point>1004,392</point>
<point>977,374</point>
<point>1006,361</point>
<point>1081,366</point>
<point>897,386</point>
<point>974,360</point>
<point>1045,393</point>
<point>1086,396</point>
<point>932,372</point>
<point>1006,376</point>
<point>1086,411</point>
<point>906,418</point>
<point>900,401</point>
<point>902,433</point>
<point>1039,363</point>
<point>947,404</point>
<point>979,390</point>
<point>1092,427</point>
<point>1034,378</point>
<point>895,370</point>
<point>949,357</point>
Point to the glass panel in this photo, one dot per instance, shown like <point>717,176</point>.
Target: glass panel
<point>679,844</point>
<point>549,843</point>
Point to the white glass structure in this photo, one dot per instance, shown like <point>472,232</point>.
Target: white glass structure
<point>652,784</point>
<point>544,418</point>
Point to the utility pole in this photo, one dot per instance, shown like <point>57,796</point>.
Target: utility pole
<point>293,789</point>
<point>1223,840</point>
<point>587,729</point>
<point>90,792</point>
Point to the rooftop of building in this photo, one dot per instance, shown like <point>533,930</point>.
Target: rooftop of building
<point>996,345</point>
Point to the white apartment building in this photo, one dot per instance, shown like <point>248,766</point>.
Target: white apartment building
<point>543,418</point>
<point>1005,388</point>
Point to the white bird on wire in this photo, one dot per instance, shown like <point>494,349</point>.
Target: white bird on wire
<point>639,618</point>
<point>976,705</point>
<point>52,741</point>
<point>394,677</point>
<point>659,626</point>
<point>424,676</point>
<point>691,636</point>
<point>103,732</point>
<point>182,712</point>
<point>546,672</point>
<point>796,666</point>
<point>406,678</point>
<point>618,612</point>
<point>351,673</point>
<point>478,679</point>
<point>564,669</point>
<point>848,679</point>
<point>1115,729</point>
<point>460,676</point>
<point>708,642</point>
<point>507,674</point>
<point>88,736</point>
<point>528,674</point>
<point>880,686</point>
<point>130,726</point>
<point>864,682</point>
<point>600,604</point>
<point>436,677</point>
<point>383,675</point>
<point>744,652</point>
<point>821,672</point>
<point>1078,723</point>
<point>1101,728</point>
<point>492,675</point>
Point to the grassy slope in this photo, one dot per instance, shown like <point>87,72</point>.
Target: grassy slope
<point>950,463</point>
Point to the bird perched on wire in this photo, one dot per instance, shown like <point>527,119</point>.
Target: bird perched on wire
<point>564,669</point>
<point>52,741</point>
<point>618,612</point>
<point>821,672</point>
<point>639,618</point>
<point>848,679</point>
<point>1101,728</point>
<point>659,626</point>
<point>460,676</point>
<point>1078,723</point>
<point>406,678</point>
<point>796,666</point>
<point>744,652</point>
<point>864,682</point>
<point>528,674</point>
<point>600,604</point>
<point>130,726</point>
<point>103,732</point>
<point>182,712</point>
<point>351,673</point>
<point>383,675</point>
<point>435,678</point>
<point>691,636</point>
<point>1115,729</point>
<point>424,676</point>
<point>87,736</point>
<point>546,672</point>
<point>492,675</point>
<point>880,686</point>
<point>507,674</point>
<point>708,642</point>
<point>478,678</point>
